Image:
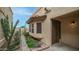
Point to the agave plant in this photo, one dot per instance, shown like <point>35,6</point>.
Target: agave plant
<point>8,33</point>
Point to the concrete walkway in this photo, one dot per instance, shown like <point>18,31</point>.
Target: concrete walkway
<point>60,47</point>
<point>23,45</point>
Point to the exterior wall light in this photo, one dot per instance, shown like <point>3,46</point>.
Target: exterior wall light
<point>73,24</point>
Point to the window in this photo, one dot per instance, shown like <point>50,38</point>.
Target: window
<point>32,28</point>
<point>39,28</point>
<point>29,27</point>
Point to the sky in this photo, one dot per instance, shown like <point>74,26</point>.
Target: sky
<point>22,14</point>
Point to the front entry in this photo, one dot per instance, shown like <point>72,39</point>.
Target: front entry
<point>56,31</point>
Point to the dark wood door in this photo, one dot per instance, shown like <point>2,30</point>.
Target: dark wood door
<point>56,26</point>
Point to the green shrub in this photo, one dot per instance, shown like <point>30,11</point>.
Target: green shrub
<point>26,34</point>
<point>32,43</point>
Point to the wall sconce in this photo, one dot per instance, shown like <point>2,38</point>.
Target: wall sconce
<point>73,24</point>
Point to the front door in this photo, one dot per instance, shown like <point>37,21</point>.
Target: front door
<point>56,31</point>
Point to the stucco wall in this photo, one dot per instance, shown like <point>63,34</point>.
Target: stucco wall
<point>47,31</point>
<point>7,11</point>
<point>58,11</point>
<point>69,32</point>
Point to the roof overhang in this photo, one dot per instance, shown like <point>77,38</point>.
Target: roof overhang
<point>74,14</point>
<point>37,18</point>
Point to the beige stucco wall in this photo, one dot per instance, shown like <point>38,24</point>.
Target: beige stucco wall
<point>47,31</point>
<point>70,33</point>
<point>58,11</point>
<point>7,11</point>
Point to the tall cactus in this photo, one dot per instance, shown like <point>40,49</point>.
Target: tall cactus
<point>8,32</point>
<point>5,27</point>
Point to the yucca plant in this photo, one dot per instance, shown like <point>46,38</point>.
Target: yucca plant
<point>8,32</point>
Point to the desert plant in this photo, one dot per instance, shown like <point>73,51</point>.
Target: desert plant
<point>26,34</point>
<point>15,44</point>
<point>8,32</point>
<point>32,43</point>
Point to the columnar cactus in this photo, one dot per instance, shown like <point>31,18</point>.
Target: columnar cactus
<point>8,32</point>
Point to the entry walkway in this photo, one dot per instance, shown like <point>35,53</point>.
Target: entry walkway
<point>23,45</point>
<point>60,47</point>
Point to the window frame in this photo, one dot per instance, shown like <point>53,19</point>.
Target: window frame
<point>39,30</point>
<point>32,29</point>
<point>29,27</point>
